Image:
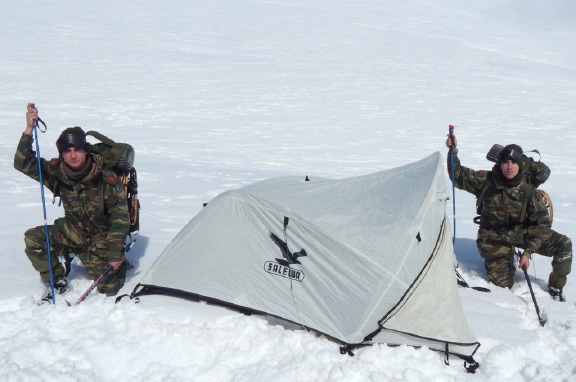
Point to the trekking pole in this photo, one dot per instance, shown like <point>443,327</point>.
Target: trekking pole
<point>540,318</point>
<point>94,284</point>
<point>459,279</point>
<point>35,128</point>
<point>451,133</point>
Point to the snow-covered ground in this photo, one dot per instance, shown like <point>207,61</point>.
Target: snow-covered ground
<point>216,95</point>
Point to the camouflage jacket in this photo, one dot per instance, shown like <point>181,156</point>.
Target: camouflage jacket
<point>96,216</point>
<point>501,212</point>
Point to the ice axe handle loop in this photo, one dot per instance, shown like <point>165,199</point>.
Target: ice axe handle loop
<point>36,125</point>
<point>38,119</point>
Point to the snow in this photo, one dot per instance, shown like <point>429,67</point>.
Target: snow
<point>217,95</point>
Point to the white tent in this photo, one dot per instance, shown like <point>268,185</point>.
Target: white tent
<point>363,260</point>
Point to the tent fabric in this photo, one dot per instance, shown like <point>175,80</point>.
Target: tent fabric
<point>367,259</point>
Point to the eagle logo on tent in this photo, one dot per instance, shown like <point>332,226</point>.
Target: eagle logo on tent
<point>282,265</point>
<point>289,257</point>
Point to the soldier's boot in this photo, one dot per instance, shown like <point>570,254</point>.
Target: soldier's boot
<point>61,287</point>
<point>556,294</point>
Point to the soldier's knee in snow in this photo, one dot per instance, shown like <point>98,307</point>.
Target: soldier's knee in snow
<point>500,271</point>
<point>507,282</point>
<point>113,282</point>
<point>111,288</point>
<point>34,239</point>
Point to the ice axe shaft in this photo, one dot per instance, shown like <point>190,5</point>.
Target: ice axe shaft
<point>94,284</point>
<point>540,319</point>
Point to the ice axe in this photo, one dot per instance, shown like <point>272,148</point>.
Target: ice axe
<point>541,318</point>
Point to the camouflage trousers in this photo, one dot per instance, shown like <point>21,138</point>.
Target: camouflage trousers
<point>60,245</point>
<point>498,254</point>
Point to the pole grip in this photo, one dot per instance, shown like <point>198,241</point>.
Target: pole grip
<point>451,134</point>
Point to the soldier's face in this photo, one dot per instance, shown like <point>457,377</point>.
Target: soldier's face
<point>74,158</point>
<point>510,169</point>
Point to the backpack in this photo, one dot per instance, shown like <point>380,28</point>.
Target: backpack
<point>536,171</point>
<point>119,157</point>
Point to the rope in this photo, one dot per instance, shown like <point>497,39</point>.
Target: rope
<point>296,307</point>
<point>548,202</point>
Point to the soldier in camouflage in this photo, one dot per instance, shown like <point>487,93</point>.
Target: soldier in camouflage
<point>96,219</point>
<point>512,215</point>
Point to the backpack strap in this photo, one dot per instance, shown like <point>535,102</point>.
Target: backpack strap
<point>55,163</point>
<point>529,195</point>
<point>102,138</point>
<point>105,180</point>
<point>482,194</point>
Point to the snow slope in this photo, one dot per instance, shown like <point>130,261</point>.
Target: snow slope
<point>217,95</point>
